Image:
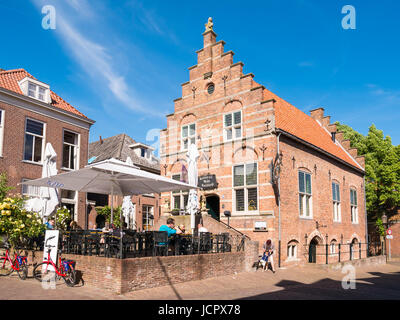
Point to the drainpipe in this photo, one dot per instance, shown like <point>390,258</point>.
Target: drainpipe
<point>279,210</point>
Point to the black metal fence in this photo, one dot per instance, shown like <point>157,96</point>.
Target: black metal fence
<point>339,252</point>
<point>142,244</point>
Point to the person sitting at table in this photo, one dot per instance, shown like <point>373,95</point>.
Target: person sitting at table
<point>201,228</point>
<point>182,228</point>
<point>170,228</point>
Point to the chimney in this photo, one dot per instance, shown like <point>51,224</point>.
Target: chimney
<point>101,140</point>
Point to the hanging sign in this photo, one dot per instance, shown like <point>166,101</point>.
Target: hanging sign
<point>208,182</point>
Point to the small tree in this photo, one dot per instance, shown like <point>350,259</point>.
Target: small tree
<point>106,212</point>
<point>17,224</point>
<point>4,188</point>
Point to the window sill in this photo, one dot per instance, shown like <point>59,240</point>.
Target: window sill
<point>245,213</point>
<point>32,162</point>
<point>306,218</point>
<point>67,169</point>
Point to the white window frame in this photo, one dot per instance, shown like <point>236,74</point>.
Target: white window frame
<point>35,194</point>
<point>292,251</point>
<point>2,112</point>
<point>179,193</point>
<point>233,126</point>
<point>77,150</point>
<point>146,214</point>
<point>33,146</point>
<point>246,188</point>
<point>354,207</point>
<point>332,247</point>
<point>189,136</point>
<point>73,201</point>
<point>304,197</point>
<point>337,210</point>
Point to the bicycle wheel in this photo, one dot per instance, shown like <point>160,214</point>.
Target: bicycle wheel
<point>5,267</point>
<point>38,274</point>
<point>23,271</point>
<point>70,277</point>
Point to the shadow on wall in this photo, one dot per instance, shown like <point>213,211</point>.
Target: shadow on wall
<point>379,286</point>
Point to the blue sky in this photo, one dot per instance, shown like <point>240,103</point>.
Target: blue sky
<point>122,62</point>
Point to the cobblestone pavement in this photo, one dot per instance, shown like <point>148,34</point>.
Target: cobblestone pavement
<point>305,282</point>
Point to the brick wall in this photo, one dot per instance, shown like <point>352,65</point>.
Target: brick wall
<point>126,275</point>
<point>13,147</point>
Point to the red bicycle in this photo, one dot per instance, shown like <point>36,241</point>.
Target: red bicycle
<point>64,270</point>
<point>8,266</point>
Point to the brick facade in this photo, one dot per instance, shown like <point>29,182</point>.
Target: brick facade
<point>11,161</point>
<point>258,143</point>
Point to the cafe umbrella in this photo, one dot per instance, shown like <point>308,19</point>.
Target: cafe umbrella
<point>128,208</point>
<point>112,177</point>
<point>48,196</point>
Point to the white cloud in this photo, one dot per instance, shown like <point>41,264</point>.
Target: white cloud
<point>96,60</point>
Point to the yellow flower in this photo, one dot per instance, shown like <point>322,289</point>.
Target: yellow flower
<point>22,226</point>
<point>29,216</point>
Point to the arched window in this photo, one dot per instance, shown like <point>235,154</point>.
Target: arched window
<point>333,247</point>
<point>292,250</point>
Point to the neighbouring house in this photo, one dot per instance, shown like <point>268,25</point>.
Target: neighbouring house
<point>31,115</point>
<point>280,173</point>
<point>147,209</point>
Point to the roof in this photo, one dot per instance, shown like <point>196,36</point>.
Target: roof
<point>118,147</point>
<point>295,122</point>
<point>9,80</point>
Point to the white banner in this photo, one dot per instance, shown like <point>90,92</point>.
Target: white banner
<point>50,244</point>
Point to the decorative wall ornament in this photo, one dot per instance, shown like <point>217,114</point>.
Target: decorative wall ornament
<point>165,166</point>
<point>194,92</point>
<point>263,148</point>
<point>224,78</point>
<point>294,162</point>
<point>267,127</point>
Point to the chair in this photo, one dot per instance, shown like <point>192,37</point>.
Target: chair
<point>205,244</point>
<point>160,242</point>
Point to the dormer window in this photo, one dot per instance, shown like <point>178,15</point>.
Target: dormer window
<point>142,150</point>
<point>35,89</point>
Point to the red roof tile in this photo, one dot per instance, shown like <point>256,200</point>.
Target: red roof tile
<point>9,80</point>
<point>294,121</point>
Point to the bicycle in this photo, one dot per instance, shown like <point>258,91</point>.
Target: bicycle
<point>8,266</point>
<point>65,268</point>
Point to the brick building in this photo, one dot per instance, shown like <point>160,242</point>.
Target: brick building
<point>281,173</point>
<point>31,115</point>
<point>121,147</point>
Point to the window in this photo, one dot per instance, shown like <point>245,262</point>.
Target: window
<point>292,250</point>
<point>34,134</point>
<point>233,125</point>
<point>336,202</point>
<point>353,206</point>
<point>188,135</point>
<point>180,198</point>
<point>333,247</point>
<point>30,191</point>
<point>142,152</point>
<point>70,150</point>
<point>69,200</point>
<point>305,195</point>
<point>37,92</point>
<point>245,187</point>
<point>1,131</point>
<point>148,217</point>
<point>211,88</point>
